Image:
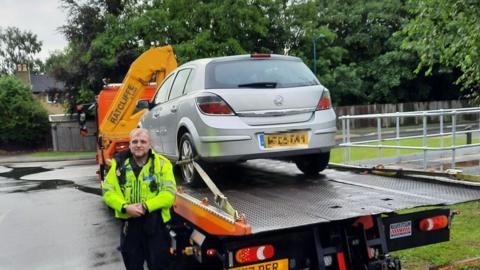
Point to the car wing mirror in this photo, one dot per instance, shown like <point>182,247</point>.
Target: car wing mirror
<point>143,104</point>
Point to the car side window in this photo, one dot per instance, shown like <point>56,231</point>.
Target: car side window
<point>162,92</point>
<point>189,85</point>
<point>179,83</point>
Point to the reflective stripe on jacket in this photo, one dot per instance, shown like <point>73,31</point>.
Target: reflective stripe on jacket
<point>139,190</point>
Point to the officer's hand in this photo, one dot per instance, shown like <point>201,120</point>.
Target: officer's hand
<point>134,210</point>
<point>141,208</point>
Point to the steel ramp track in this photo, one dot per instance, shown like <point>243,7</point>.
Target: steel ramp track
<point>275,195</point>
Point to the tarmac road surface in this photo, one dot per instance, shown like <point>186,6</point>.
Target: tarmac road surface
<point>52,217</point>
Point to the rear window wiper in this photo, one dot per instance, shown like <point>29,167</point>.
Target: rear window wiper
<point>259,85</point>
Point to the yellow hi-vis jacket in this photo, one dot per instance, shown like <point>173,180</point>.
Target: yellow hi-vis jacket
<point>158,195</point>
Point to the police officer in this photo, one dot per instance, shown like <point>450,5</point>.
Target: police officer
<point>141,188</point>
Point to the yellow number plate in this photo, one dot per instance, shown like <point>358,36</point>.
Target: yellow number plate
<point>293,139</point>
<point>273,265</point>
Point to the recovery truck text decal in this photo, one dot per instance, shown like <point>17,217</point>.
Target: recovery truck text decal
<point>401,229</point>
<point>128,94</point>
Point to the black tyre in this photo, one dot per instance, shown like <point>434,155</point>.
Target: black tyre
<point>186,150</point>
<point>312,164</point>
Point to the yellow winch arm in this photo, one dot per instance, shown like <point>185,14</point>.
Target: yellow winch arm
<point>119,121</point>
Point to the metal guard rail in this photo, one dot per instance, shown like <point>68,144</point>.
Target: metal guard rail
<point>441,114</point>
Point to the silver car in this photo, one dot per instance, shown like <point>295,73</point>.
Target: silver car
<point>242,107</point>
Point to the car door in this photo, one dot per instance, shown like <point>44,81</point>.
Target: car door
<point>172,116</point>
<point>153,119</point>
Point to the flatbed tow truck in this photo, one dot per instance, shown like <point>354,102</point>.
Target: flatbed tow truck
<point>266,215</point>
<point>338,220</point>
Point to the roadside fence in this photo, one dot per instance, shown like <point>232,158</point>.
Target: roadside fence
<point>65,131</point>
<point>446,127</point>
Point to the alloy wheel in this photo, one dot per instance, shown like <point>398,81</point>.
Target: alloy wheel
<point>188,170</point>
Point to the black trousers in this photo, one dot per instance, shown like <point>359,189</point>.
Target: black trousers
<point>145,239</point>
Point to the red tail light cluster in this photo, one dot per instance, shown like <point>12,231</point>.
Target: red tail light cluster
<point>433,223</point>
<point>254,254</point>
<point>324,103</point>
<point>213,105</point>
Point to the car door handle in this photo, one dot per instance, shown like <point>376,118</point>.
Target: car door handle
<point>173,109</point>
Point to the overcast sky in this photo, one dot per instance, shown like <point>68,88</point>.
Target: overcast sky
<point>42,17</point>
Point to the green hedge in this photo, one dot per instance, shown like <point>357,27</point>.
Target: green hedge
<point>23,121</point>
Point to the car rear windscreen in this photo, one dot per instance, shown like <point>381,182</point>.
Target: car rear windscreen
<point>258,73</point>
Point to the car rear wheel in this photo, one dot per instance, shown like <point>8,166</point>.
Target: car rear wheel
<point>312,164</point>
<point>187,151</point>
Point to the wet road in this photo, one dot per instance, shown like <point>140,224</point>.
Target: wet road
<point>52,217</point>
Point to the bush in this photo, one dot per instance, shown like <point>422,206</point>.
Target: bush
<point>23,120</point>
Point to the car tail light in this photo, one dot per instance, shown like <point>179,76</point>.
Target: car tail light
<point>121,146</point>
<point>254,254</point>
<point>324,102</point>
<point>433,223</point>
<point>260,55</point>
<point>213,105</point>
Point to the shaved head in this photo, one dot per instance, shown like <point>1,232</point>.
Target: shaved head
<point>139,143</point>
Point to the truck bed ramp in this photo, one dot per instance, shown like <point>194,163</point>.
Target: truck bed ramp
<point>275,195</point>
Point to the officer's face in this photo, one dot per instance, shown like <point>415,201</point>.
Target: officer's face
<point>139,145</point>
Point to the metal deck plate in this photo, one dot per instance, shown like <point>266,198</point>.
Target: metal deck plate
<point>275,195</point>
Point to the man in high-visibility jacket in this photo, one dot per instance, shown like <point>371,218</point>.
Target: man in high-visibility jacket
<point>141,188</point>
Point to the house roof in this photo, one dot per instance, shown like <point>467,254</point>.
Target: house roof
<point>43,83</point>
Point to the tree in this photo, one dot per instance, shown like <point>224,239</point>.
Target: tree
<point>359,57</point>
<point>24,120</point>
<point>18,47</point>
<point>446,32</point>
<point>74,65</point>
<point>106,36</point>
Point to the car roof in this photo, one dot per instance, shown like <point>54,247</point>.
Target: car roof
<point>205,61</point>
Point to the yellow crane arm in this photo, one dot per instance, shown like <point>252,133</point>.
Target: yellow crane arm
<point>120,120</point>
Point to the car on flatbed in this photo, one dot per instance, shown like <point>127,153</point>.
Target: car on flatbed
<point>243,107</point>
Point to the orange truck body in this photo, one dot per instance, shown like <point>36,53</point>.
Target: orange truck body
<point>117,112</point>
<point>104,101</point>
